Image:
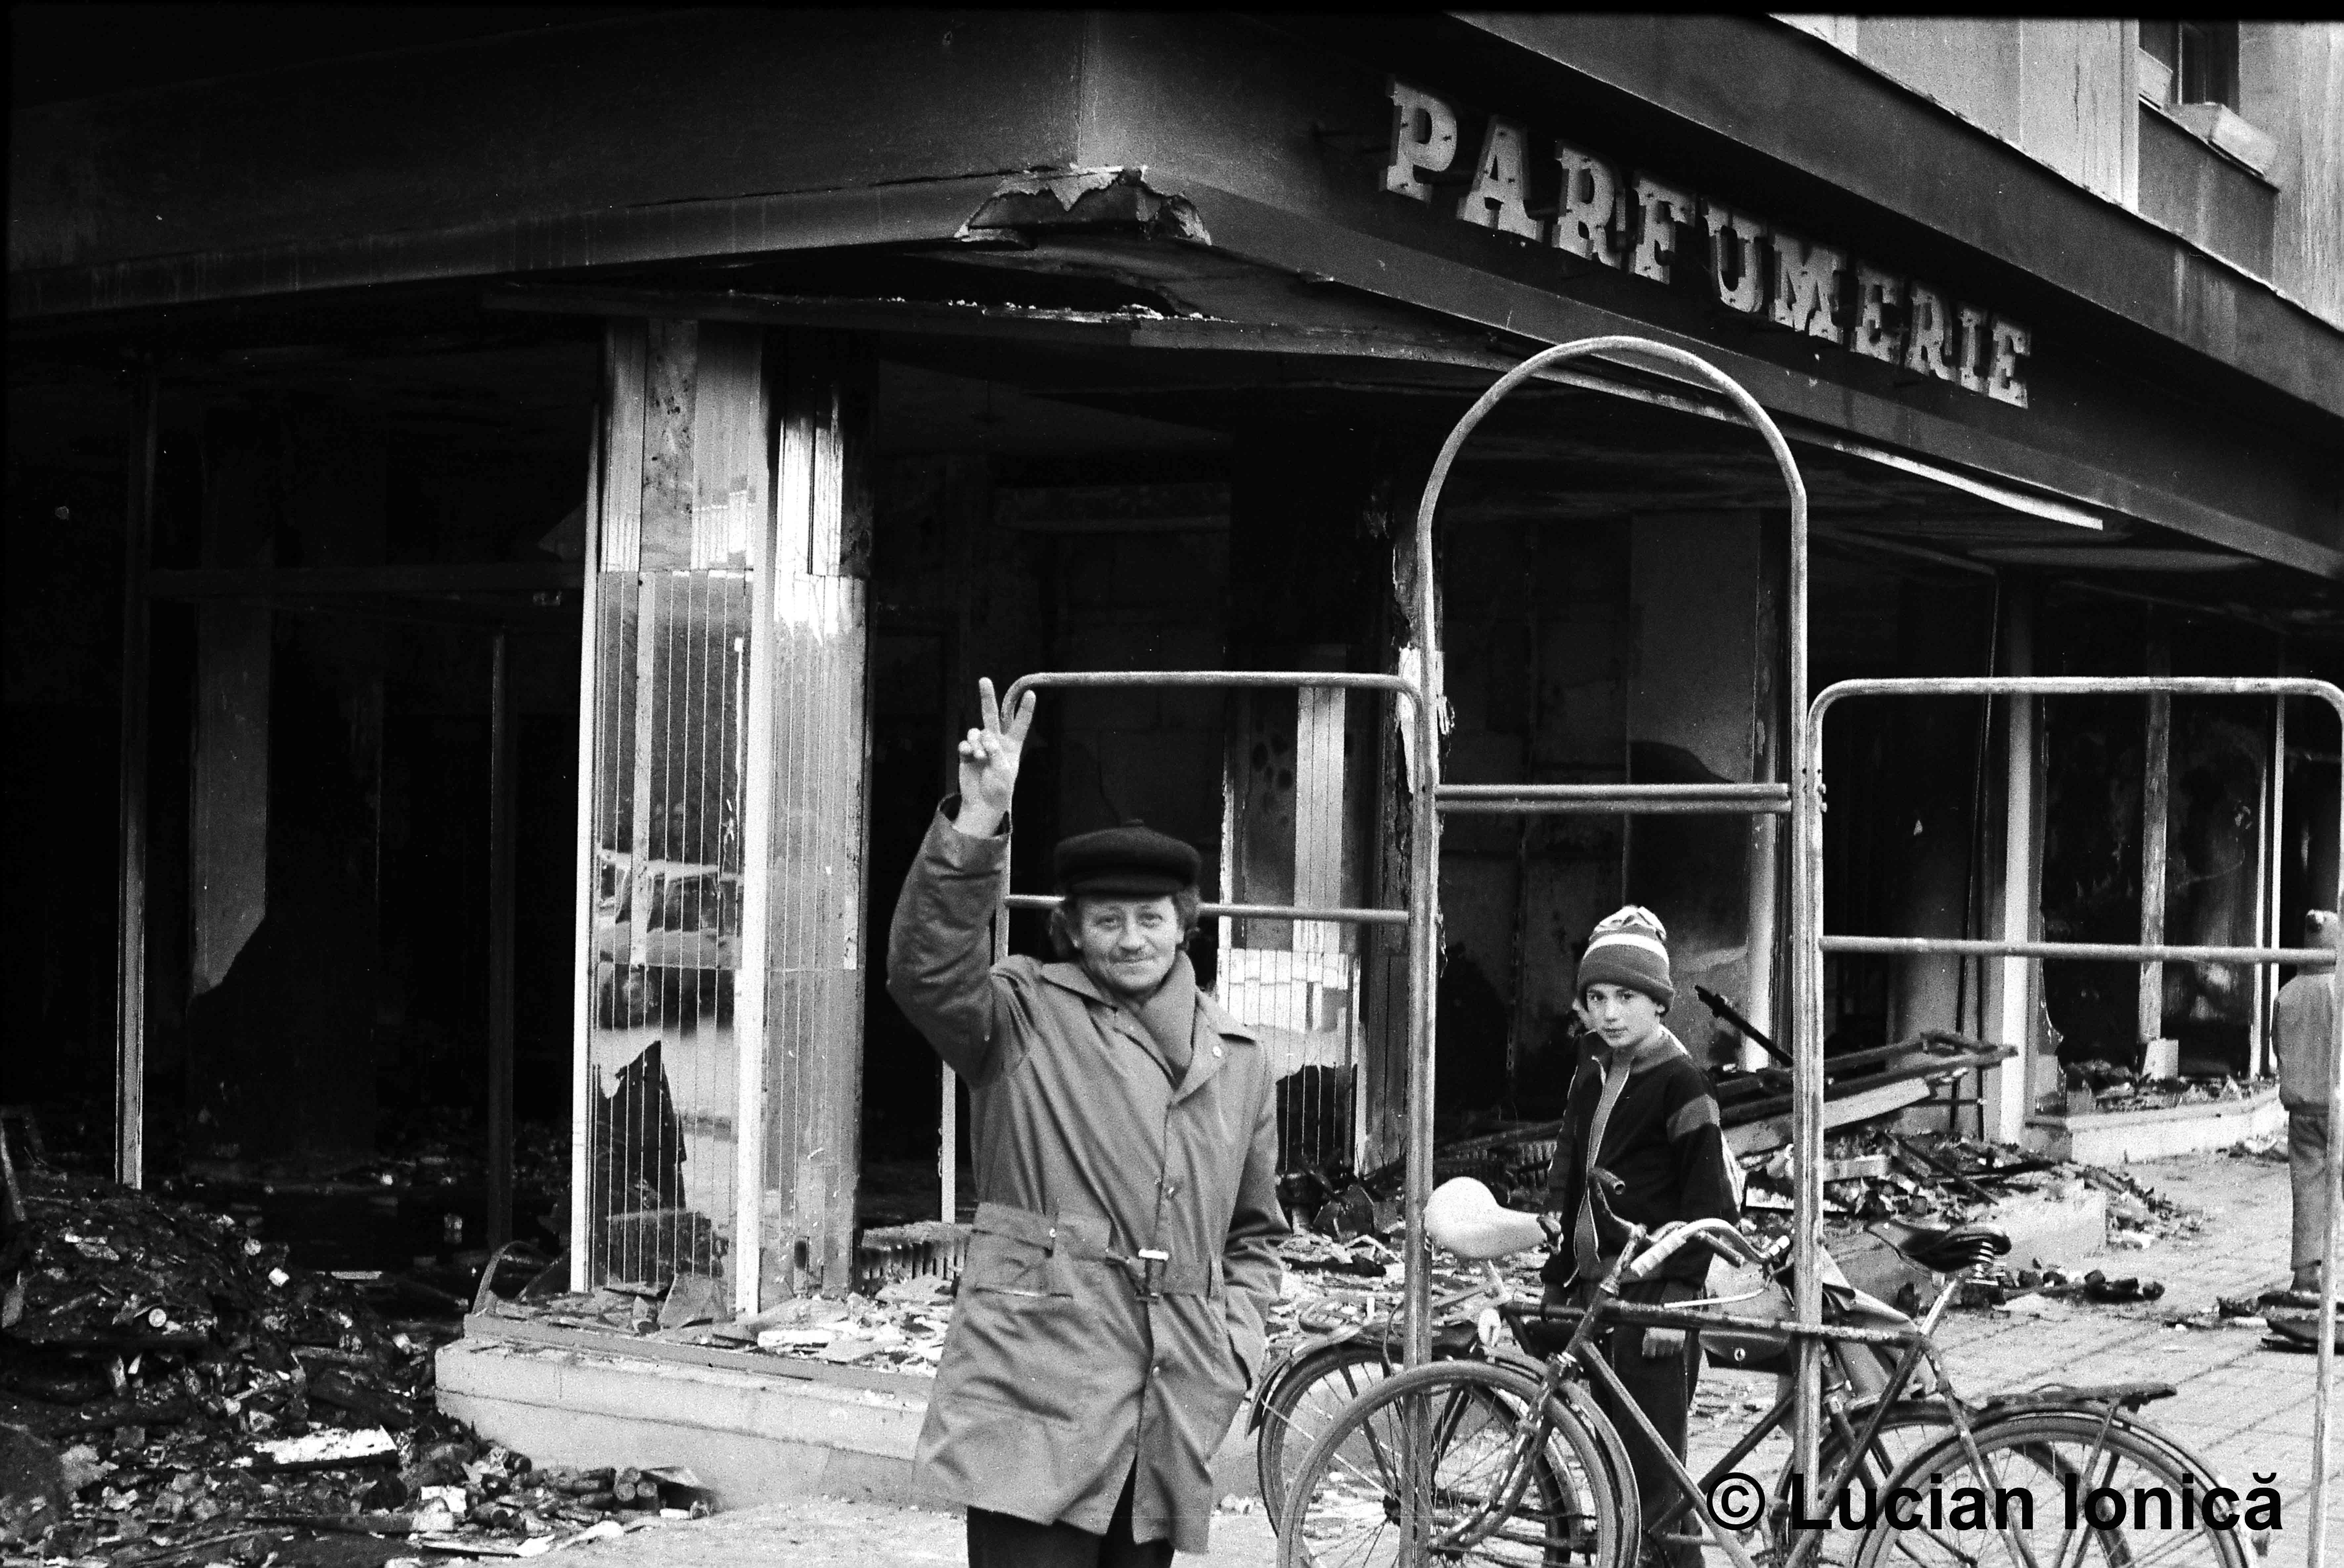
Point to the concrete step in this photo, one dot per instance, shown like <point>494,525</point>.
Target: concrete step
<point>752,1436</point>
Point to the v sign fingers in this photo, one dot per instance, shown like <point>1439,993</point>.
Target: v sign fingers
<point>988,761</point>
<point>1020,721</point>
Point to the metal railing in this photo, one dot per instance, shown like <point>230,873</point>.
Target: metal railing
<point>1811,942</point>
<point>1433,798</point>
<point>1801,800</point>
<point>1428,799</point>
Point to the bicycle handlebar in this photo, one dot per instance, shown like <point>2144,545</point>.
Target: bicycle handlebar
<point>1718,1235</point>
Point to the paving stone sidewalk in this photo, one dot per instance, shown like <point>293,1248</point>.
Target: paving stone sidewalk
<point>2241,1407</point>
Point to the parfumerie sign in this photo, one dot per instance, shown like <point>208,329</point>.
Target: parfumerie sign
<point>1619,218</point>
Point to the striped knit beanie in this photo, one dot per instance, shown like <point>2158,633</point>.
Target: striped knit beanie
<point>1628,947</point>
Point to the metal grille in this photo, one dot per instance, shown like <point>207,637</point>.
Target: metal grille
<point>669,752</point>
<point>1305,1004</point>
<point>1294,981</point>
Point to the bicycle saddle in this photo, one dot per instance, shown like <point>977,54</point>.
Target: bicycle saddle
<point>1943,1249</point>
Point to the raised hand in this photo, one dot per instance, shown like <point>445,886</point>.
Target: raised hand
<point>988,761</point>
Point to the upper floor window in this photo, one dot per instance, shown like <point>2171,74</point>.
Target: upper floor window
<point>2201,61</point>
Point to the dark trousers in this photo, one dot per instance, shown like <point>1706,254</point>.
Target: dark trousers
<point>2307,1164</point>
<point>999,1540</point>
<point>1662,1389</point>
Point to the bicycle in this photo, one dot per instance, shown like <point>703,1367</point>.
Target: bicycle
<point>1482,1487</point>
<point>1305,1389</point>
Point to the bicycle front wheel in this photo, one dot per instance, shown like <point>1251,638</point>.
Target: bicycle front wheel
<point>1305,1404</point>
<point>1511,1479</point>
<point>2057,1487</point>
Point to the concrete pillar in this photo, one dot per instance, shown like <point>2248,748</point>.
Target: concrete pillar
<point>2271,858</point>
<point>2156,796</point>
<point>2008,1090</point>
<point>727,665</point>
<point>814,674</point>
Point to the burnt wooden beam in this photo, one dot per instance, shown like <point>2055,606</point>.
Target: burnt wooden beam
<point>130,823</point>
<point>500,942</point>
<point>337,582</point>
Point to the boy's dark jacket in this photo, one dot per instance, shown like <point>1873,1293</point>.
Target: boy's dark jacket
<point>1662,1141</point>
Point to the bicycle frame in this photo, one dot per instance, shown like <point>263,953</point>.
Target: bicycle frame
<point>1607,1310</point>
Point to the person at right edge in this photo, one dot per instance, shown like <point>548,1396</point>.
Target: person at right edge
<point>2303,1037</point>
<point>1641,1110</point>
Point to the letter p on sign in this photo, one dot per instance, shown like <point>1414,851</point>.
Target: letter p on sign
<point>1424,140</point>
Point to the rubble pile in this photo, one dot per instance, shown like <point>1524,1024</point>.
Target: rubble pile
<point>197,1394</point>
<point>1874,1174</point>
<point>2099,1085</point>
<point>157,1306</point>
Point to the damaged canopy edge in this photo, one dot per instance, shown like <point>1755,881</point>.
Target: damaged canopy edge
<point>1082,198</point>
<point>935,210</point>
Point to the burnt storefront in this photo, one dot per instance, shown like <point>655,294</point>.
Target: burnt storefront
<point>576,475</point>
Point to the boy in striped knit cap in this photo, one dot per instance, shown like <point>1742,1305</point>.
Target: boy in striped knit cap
<point>1640,1108</point>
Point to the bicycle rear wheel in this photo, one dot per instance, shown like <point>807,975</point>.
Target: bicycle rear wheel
<point>2031,1459</point>
<point>1345,1505</point>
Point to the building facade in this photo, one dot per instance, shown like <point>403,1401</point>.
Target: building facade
<point>577,473</point>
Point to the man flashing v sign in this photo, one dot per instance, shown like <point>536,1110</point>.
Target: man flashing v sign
<point>1109,1317</point>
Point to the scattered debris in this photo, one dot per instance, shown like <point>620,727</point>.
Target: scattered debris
<point>199,1398</point>
<point>2294,1330</point>
<point>1342,1270</point>
<point>900,1329</point>
<point>2099,1085</point>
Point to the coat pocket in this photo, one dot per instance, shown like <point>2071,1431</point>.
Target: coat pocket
<point>1008,1267</point>
<point>1017,1254</point>
<point>1027,1351</point>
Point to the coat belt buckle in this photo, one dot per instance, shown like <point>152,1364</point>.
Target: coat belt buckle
<point>1150,1282</point>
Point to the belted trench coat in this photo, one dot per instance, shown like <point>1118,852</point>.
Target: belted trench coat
<point>1071,1357</point>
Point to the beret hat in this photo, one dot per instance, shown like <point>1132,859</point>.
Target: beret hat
<point>1133,859</point>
